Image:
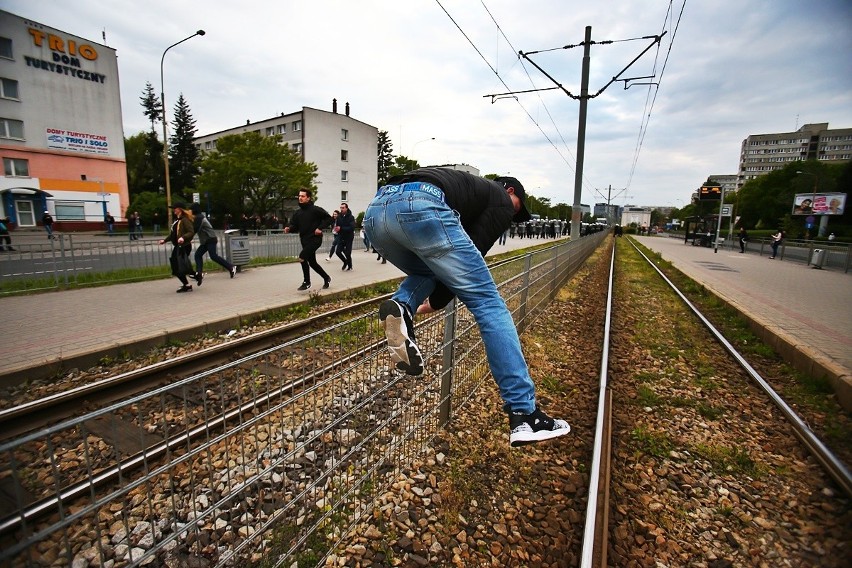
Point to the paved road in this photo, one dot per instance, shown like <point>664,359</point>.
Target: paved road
<point>42,329</point>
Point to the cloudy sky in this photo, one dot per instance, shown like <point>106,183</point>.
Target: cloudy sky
<point>423,68</point>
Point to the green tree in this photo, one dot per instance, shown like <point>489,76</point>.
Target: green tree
<point>147,204</point>
<point>144,158</point>
<point>151,105</point>
<point>250,173</point>
<point>385,153</point>
<point>401,165</point>
<point>183,154</point>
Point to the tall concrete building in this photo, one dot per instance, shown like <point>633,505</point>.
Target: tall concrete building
<point>61,132</point>
<point>345,151</point>
<point>763,153</point>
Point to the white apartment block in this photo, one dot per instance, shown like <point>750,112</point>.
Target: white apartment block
<point>344,150</point>
<point>763,153</point>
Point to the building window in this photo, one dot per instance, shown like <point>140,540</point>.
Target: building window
<point>344,175</point>
<point>344,196</point>
<point>6,47</point>
<point>344,155</point>
<point>15,167</point>
<point>344,134</point>
<point>297,126</point>
<point>282,129</point>
<point>270,131</point>
<point>11,128</point>
<point>70,211</point>
<point>9,89</point>
<point>297,147</point>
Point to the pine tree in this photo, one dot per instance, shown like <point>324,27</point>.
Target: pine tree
<point>385,153</point>
<point>183,154</point>
<point>152,106</point>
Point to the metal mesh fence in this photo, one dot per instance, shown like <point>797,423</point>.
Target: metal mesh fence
<point>266,461</point>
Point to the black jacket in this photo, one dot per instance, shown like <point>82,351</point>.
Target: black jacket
<point>485,211</point>
<point>346,223</point>
<point>308,219</point>
<point>484,207</point>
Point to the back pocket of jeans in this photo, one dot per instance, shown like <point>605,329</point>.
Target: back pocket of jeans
<point>426,233</point>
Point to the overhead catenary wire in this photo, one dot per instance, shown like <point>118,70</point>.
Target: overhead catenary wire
<point>646,118</point>
<point>649,102</point>
<point>493,70</point>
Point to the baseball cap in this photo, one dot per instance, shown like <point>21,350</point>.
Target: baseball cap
<point>523,215</point>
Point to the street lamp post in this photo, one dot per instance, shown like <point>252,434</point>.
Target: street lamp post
<point>165,134</point>
<point>414,148</point>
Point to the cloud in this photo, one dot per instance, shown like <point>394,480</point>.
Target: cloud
<point>421,69</point>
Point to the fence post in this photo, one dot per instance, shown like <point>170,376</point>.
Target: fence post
<point>73,258</point>
<point>445,409</point>
<point>522,311</point>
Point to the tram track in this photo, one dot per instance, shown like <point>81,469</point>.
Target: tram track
<point>55,407</point>
<point>431,475</point>
<point>748,495</point>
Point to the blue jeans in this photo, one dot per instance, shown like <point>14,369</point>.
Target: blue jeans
<point>412,227</point>
<point>210,247</point>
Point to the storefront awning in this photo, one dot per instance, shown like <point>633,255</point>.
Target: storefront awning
<point>25,191</point>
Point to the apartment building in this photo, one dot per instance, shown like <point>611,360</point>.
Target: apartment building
<point>763,153</point>
<point>345,151</point>
<point>61,131</point>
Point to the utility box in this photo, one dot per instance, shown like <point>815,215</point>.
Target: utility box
<point>237,250</point>
<point>818,258</point>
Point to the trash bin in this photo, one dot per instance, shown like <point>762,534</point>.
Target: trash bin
<point>818,258</point>
<point>237,250</point>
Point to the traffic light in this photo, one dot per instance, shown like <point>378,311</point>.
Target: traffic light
<point>710,193</point>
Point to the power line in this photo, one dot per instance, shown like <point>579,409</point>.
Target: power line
<point>643,129</point>
<point>493,70</point>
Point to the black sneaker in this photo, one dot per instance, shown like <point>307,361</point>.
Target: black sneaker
<point>233,271</point>
<point>399,329</point>
<point>326,284</point>
<point>304,286</point>
<point>535,427</point>
<point>198,278</point>
<point>182,289</point>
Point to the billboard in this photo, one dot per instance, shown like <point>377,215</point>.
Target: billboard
<point>819,203</point>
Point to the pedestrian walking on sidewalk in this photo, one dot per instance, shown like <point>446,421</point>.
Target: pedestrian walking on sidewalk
<point>207,241</point>
<point>110,223</point>
<point>743,239</point>
<point>180,235</point>
<point>335,234</point>
<point>309,221</point>
<point>5,237</point>
<point>346,223</point>
<point>436,225</point>
<point>47,221</point>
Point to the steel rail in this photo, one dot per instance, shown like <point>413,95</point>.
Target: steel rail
<point>835,468</point>
<point>595,530</point>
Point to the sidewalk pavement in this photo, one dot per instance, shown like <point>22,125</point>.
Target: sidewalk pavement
<point>81,326</point>
<point>803,312</point>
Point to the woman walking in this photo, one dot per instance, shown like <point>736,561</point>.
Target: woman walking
<point>180,236</point>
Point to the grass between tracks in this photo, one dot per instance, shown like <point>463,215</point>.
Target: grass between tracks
<point>811,396</point>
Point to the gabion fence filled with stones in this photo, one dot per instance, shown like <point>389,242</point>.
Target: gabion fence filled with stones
<point>266,461</point>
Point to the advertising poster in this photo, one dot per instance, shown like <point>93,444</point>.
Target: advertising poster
<point>819,204</point>
<point>74,141</point>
